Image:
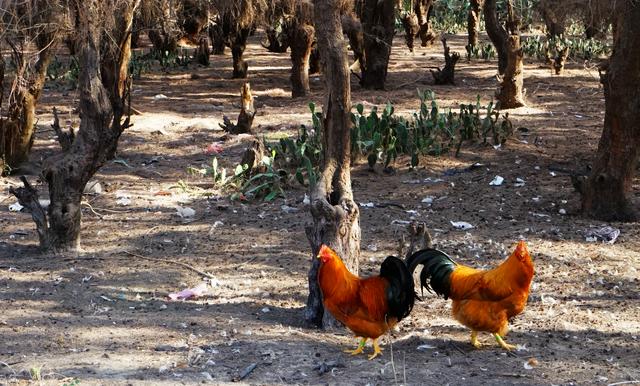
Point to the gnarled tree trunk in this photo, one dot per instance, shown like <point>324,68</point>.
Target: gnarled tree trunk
<point>335,216</point>
<point>496,32</point>
<point>165,33</point>
<point>18,129</point>
<point>301,35</point>
<point>352,27</point>
<point>510,56</point>
<point>378,23</point>
<point>103,100</point>
<point>473,22</point>
<point>301,40</point>
<point>423,10</point>
<point>605,193</point>
<point>554,16</point>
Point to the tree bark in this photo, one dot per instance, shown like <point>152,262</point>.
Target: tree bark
<point>165,37</point>
<point>554,17</point>
<point>335,216</point>
<point>378,22</point>
<point>506,39</point>
<point>605,194</point>
<point>101,107</point>
<point>411,29</point>
<point>352,27</point>
<point>423,10</point>
<point>497,33</point>
<point>247,113</point>
<point>18,129</point>
<point>473,22</point>
<point>447,74</point>
<point>238,45</point>
<point>301,40</point>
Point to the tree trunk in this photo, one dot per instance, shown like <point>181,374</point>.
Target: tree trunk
<point>164,38</point>
<point>411,29</point>
<point>378,22</point>
<point>423,10</point>
<point>18,129</point>
<point>247,113</point>
<point>447,74</point>
<point>605,193</point>
<point>216,34</point>
<point>203,51</point>
<point>497,33</point>
<point>352,27</point>
<point>102,106</point>
<point>473,22</point>
<point>554,17</point>
<point>510,94</point>
<point>301,40</point>
<point>335,216</point>
<point>238,45</point>
<point>506,39</point>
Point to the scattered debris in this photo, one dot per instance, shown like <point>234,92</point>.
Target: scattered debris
<point>461,225</point>
<point>530,364</point>
<point>367,205</point>
<point>605,234</point>
<point>15,207</point>
<point>428,200</point>
<point>200,290</point>
<point>185,212</point>
<point>327,366</point>
<point>244,373</point>
<point>289,209</point>
<point>214,148</point>
<point>93,187</point>
<point>519,183</point>
<point>160,96</point>
<point>497,181</point>
<point>425,347</point>
<point>123,198</point>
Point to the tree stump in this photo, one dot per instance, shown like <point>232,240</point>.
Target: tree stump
<point>447,74</point>
<point>247,113</point>
<point>411,29</point>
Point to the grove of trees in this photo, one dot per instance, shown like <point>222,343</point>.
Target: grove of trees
<point>100,32</point>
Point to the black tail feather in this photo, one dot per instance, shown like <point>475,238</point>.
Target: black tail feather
<point>437,265</point>
<point>401,292</point>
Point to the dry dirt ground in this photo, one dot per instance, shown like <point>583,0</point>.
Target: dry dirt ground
<point>104,317</point>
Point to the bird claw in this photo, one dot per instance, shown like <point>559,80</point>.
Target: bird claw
<point>355,352</point>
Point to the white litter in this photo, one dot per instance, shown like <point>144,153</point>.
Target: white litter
<point>185,212</point>
<point>461,225</point>
<point>15,207</point>
<point>497,181</point>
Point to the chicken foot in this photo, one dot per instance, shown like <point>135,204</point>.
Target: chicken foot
<point>358,349</point>
<point>502,343</point>
<point>474,339</point>
<point>376,348</point>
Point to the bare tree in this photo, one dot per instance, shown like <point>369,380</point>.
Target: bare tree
<point>335,215</point>
<point>25,24</point>
<point>605,193</point>
<point>105,49</point>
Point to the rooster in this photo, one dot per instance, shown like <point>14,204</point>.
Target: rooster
<point>368,307</point>
<point>482,300</point>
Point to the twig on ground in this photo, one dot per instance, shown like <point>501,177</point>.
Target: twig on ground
<point>402,85</point>
<point>185,265</point>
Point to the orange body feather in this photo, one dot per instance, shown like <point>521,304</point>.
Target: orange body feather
<point>360,304</point>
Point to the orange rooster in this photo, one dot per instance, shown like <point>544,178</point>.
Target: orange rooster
<point>368,307</point>
<point>482,300</point>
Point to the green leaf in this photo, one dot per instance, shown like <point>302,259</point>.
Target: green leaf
<point>360,108</point>
<point>272,195</point>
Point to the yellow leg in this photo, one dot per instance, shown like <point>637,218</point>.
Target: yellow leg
<point>358,349</point>
<point>376,349</point>
<point>474,339</point>
<point>502,343</point>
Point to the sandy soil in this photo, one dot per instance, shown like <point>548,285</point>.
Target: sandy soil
<point>104,317</point>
